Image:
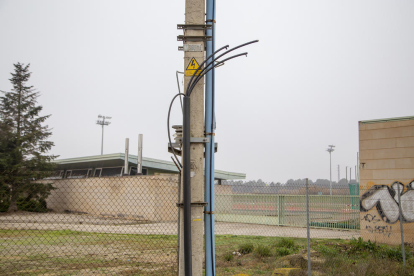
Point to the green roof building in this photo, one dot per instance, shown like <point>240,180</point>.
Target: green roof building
<point>113,165</point>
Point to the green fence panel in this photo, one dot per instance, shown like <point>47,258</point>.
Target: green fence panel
<point>337,211</point>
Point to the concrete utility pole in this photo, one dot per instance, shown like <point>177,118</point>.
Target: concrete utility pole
<point>194,15</point>
<point>139,156</point>
<point>330,150</point>
<point>346,173</point>
<point>339,174</point>
<point>126,158</point>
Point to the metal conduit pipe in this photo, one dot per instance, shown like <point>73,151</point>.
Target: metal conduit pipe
<point>209,239</point>
<point>186,158</point>
<point>187,187</point>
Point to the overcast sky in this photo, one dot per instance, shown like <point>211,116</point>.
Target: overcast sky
<point>319,68</point>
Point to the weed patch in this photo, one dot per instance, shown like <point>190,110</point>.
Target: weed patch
<point>228,257</point>
<point>79,253</point>
<point>263,251</point>
<point>286,242</point>
<point>283,251</point>
<point>246,248</point>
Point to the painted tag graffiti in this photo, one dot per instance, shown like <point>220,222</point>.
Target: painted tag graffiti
<point>385,230</point>
<point>370,218</point>
<point>385,199</point>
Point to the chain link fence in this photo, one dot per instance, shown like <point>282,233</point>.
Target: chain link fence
<point>106,225</point>
<point>128,226</point>
<point>285,205</point>
<point>333,234</point>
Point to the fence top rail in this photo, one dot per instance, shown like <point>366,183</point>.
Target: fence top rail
<point>289,195</point>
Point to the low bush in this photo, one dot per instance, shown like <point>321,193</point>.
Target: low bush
<point>4,198</point>
<point>263,251</point>
<point>392,253</point>
<point>228,257</point>
<point>286,242</point>
<point>283,251</point>
<point>328,251</point>
<point>358,245</point>
<point>4,205</point>
<point>246,248</point>
<point>32,205</point>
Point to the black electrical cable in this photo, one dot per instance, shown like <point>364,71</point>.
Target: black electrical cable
<point>199,70</point>
<point>202,73</point>
<point>237,47</point>
<point>212,146</point>
<point>187,98</point>
<point>195,83</point>
<point>216,65</point>
<point>232,49</point>
<point>168,127</point>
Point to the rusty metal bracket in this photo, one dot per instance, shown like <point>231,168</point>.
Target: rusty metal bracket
<point>194,38</point>
<point>196,140</point>
<point>199,204</point>
<point>194,26</point>
<point>209,212</point>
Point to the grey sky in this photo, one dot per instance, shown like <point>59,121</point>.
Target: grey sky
<point>319,68</point>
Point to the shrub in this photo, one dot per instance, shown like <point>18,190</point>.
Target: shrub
<point>228,256</point>
<point>263,251</point>
<point>393,253</point>
<point>32,205</point>
<point>4,198</point>
<point>286,242</point>
<point>328,251</point>
<point>4,205</point>
<point>283,251</point>
<point>359,245</point>
<point>246,248</point>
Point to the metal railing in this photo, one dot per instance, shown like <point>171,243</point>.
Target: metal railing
<point>334,212</point>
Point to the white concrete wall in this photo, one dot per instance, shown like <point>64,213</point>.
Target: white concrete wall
<point>150,198</point>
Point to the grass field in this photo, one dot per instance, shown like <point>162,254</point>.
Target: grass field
<point>37,252</point>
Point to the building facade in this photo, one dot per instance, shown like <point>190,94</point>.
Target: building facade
<point>386,150</point>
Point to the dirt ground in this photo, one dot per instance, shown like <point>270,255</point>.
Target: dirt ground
<point>115,225</point>
<point>98,244</point>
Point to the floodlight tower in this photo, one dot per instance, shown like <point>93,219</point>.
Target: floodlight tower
<point>102,121</point>
<point>330,150</point>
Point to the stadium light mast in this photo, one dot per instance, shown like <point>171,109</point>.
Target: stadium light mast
<point>103,122</point>
<point>330,150</point>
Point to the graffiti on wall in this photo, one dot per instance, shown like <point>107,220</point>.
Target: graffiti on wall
<point>385,199</point>
<point>384,230</point>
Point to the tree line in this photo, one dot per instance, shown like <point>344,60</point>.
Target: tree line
<point>298,186</point>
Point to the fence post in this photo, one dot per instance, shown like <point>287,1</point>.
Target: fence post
<point>401,224</point>
<point>307,226</point>
<point>178,221</point>
<point>281,210</point>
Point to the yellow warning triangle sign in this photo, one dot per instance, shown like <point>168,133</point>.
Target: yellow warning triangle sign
<point>192,67</point>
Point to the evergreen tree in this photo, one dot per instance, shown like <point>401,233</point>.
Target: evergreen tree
<point>23,145</point>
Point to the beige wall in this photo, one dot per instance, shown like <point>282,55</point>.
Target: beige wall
<point>386,158</point>
<point>150,198</point>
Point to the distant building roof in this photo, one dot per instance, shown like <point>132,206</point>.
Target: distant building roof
<point>117,159</point>
<point>387,120</point>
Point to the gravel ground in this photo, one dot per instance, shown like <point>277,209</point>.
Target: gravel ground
<point>101,224</point>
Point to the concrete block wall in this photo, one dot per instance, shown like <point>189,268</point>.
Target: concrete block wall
<point>386,151</point>
<point>146,198</point>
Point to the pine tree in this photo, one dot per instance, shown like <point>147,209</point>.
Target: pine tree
<point>23,145</point>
